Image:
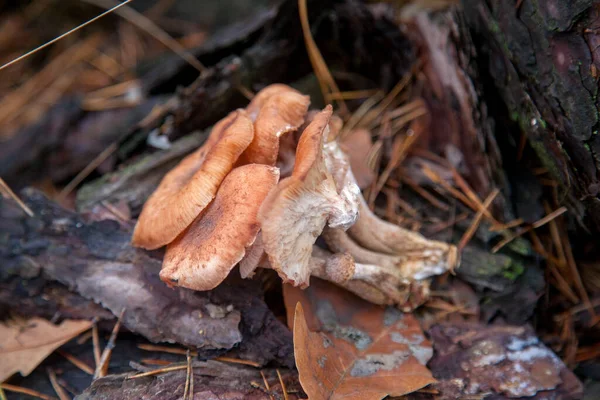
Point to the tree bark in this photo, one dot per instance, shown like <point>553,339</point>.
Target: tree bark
<point>543,58</point>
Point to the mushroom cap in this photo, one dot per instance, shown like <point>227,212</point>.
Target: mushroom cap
<point>259,100</point>
<point>204,254</point>
<point>189,187</point>
<point>253,258</point>
<point>281,113</point>
<point>295,213</point>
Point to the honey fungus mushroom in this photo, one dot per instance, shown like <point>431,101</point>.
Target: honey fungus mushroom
<point>204,254</point>
<point>189,187</point>
<point>295,213</point>
<point>225,205</point>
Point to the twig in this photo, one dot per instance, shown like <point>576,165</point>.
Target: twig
<point>29,392</point>
<point>477,220</point>
<point>283,388</point>
<point>56,39</point>
<point>60,392</point>
<point>102,367</point>
<point>158,371</point>
<point>2,394</point>
<point>76,362</point>
<point>6,189</point>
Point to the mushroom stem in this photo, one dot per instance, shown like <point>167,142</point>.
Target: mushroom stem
<point>371,282</point>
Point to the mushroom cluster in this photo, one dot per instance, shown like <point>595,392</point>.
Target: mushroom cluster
<point>268,182</point>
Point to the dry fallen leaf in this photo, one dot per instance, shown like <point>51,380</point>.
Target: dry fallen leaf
<point>348,348</point>
<point>24,345</point>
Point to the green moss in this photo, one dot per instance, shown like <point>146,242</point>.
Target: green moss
<point>514,116</point>
<point>494,27</point>
<point>587,146</point>
<point>513,271</point>
<point>543,123</point>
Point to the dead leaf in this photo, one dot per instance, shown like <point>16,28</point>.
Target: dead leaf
<point>25,345</point>
<point>356,350</point>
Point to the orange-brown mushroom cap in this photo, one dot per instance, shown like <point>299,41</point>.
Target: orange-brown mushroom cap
<point>204,254</point>
<point>295,213</point>
<point>281,113</point>
<point>189,187</point>
<point>259,100</point>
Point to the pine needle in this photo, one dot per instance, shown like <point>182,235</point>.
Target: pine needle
<point>283,388</point>
<point>326,81</point>
<point>4,188</point>
<point>535,225</point>
<point>188,376</point>
<point>76,362</point>
<point>144,23</point>
<point>477,220</point>
<point>51,42</point>
<point>29,392</point>
<point>100,158</point>
<point>158,371</point>
<point>60,392</point>
<point>237,361</point>
<point>164,349</point>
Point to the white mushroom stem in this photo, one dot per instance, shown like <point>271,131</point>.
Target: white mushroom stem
<point>371,282</point>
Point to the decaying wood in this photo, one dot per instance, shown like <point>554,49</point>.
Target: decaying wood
<point>212,380</point>
<point>500,362</point>
<point>543,58</point>
<point>96,261</point>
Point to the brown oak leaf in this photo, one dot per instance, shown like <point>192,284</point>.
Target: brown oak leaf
<point>24,345</point>
<point>347,348</point>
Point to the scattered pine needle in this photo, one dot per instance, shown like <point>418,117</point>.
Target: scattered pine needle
<point>425,194</point>
<point>237,361</point>
<point>102,367</point>
<point>326,81</point>
<point>509,225</point>
<point>147,25</point>
<point>188,376</point>
<point>283,388</point>
<point>353,94</point>
<point>360,112</point>
<point>556,213</point>
<point>477,220</point>
<point>96,343</point>
<point>158,371</point>
<point>267,386</point>
<point>56,39</point>
<point>76,362</point>
<point>60,392</point>
<point>152,361</point>
<point>100,158</point>
<point>571,264</point>
<point>164,349</point>
<point>29,392</point>
<point>4,188</point>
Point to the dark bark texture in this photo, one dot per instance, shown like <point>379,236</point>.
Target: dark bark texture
<point>544,58</point>
<point>95,261</point>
